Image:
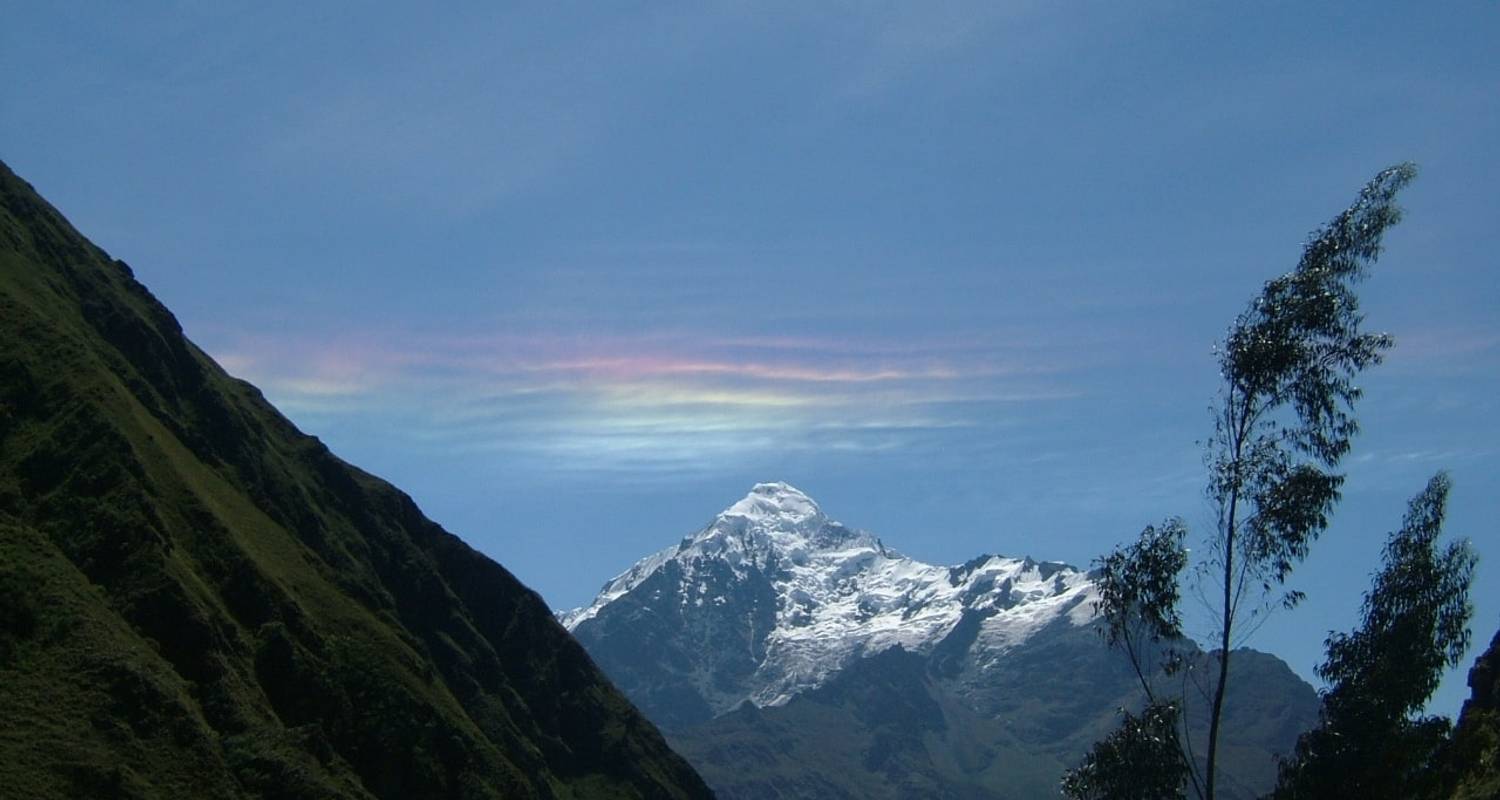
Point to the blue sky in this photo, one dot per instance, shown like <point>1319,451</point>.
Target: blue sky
<point>576,277</point>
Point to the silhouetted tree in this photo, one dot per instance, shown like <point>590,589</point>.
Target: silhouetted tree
<point>1371,741</point>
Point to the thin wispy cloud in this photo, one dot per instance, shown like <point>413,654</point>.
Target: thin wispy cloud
<point>626,366</point>
<point>649,401</point>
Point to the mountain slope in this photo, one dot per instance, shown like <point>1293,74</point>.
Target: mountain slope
<point>196,599</point>
<point>787,655</point>
<point>884,727</point>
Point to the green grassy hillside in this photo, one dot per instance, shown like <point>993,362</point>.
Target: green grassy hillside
<point>198,600</point>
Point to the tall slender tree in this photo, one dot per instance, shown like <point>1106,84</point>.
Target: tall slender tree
<point>1283,421</point>
<point>1286,418</point>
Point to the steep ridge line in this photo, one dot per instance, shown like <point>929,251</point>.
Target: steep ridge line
<point>199,600</point>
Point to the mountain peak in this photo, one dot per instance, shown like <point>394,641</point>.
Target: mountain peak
<point>777,502</point>
<point>790,596</point>
<point>775,521</point>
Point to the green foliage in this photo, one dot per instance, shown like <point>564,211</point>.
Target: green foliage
<point>1416,617</point>
<point>1138,595</point>
<point>1140,760</point>
<point>1138,588</point>
<point>1285,418</point>
<point>18,612</point>
<point>1370,742</point>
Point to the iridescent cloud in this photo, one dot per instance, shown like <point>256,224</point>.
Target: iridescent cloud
<point>643,401</point>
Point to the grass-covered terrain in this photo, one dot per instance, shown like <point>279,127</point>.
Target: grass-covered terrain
<point>199,600</point>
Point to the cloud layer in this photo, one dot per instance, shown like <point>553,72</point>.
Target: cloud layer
<point>647,402</point>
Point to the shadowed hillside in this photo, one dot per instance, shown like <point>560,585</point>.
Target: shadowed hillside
<point>198,600</point>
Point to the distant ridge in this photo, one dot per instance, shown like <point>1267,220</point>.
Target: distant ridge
<point>198,600</point>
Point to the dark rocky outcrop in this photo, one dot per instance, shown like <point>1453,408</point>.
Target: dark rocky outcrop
<point>1471,761</point>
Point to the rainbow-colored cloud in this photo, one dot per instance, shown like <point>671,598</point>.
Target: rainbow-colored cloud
<point>644,401</point>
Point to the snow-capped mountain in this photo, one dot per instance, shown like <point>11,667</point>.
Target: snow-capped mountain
<point>796,596</point>
<point>787,655</point>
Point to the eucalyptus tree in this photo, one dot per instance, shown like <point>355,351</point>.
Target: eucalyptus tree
<point>1372,741</point>
<point>1283,420</point>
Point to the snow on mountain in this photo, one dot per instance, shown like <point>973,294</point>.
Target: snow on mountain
<point>840,594</point>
